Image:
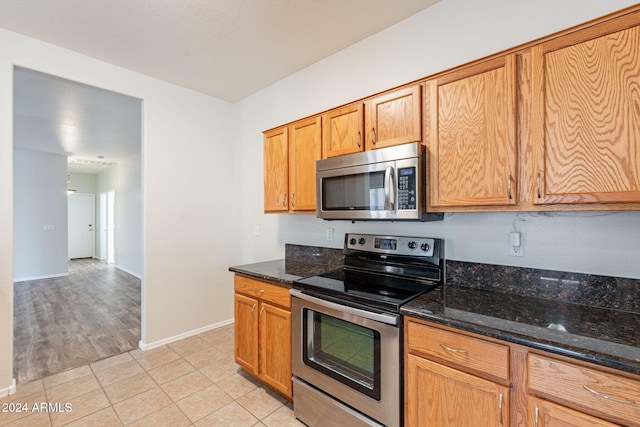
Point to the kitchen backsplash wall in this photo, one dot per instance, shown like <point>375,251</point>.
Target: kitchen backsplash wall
<point>585,289</point>
<point>315,254</point>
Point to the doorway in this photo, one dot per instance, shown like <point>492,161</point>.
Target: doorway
<point>73,128</point>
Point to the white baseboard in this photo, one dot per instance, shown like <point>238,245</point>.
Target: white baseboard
<point>26,279</point>
<point>136,275</point>
<point>149,346</point>
<point>9,390</point>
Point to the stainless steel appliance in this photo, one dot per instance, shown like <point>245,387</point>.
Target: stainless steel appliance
<point>383,184</point>
<point>347,331</point>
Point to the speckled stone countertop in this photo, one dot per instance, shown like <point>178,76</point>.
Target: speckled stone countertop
<point>553,311</point>
<point>300,261</point>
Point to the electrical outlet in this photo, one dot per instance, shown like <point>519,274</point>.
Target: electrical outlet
<point>330,234</point>
<point>516,244</point>
<point>516,250</point>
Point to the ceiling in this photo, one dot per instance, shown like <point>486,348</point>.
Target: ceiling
<point>58,116</point>
<point>225,48</point>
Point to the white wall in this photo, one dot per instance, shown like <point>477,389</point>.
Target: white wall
<point>82,182</point>
<point>450,33</point>
<point>40,199</point>
<point>125,179</point>
<point>187,161</point>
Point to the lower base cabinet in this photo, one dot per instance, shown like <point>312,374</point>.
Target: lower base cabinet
<point>456,378</point>
<point>262,341</point>
<point>543,413</point>
<point>442,396</point>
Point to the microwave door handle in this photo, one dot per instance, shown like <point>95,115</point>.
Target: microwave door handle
<point>389,189</point>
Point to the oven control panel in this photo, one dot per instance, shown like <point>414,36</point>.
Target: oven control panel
<point>397,245</point>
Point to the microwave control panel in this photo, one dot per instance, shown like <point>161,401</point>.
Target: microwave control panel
<point>407,188</point>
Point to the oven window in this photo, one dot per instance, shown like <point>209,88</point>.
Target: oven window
<point>342,350</point>
<point>354,192</point>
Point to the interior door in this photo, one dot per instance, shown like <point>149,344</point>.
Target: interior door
<point>81,217</point>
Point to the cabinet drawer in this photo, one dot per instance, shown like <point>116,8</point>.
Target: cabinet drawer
<point>467,353</point>
<point>590,390</point>
<point>275,294</point>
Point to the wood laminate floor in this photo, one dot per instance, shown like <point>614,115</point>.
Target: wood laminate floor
<point>67,322</point>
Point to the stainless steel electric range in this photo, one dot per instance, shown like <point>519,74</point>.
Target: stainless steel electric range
<point>347,331</point>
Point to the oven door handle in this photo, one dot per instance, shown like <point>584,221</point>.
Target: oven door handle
<point>388,319</point>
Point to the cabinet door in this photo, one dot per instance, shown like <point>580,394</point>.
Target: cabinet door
<point>394,118</point>
<point>276,170</point>
<point>305,147</point>
<point>246,332</point>
<point>342,131</point>
<point>586,116</point>
<point>546,414</point>
<point>275,348</point>
<point>470,118</point>
<point>437,395</point>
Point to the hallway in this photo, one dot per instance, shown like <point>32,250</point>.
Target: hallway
<point>67,322</point>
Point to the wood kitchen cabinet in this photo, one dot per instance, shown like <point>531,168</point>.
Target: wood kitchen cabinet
<point>305,147</point>
<point>276,170</point>
<point>290,153</point>
<point>394,118</point>
<point>470,130</point>
<point>548,414</point>
<point>454,380</point>
<point>580,395</point>
<point>262,331</point>
<point>342,130</point>
<point>585,115</point>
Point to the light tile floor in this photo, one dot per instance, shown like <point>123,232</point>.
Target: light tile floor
<point>192,382</point>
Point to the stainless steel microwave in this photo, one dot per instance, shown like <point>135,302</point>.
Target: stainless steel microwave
<point>383,184</point>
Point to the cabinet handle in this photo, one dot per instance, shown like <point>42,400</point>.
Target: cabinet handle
<point>509,187</point>
<point>358,139</point>
<point>293,200</point>
<point>500,407</point>
<point>258,291</point>
<point>537,413</point>
<point>374,137</point>
<point>452,349</point>
<point>538,178</point>
<point>253,309</point>
<point>284,200</point>
<point>261,311</point>
<point>612,398</point>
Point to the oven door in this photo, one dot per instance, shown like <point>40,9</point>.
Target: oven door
<point>350,354</point>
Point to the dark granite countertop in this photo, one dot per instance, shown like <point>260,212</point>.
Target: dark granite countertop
<point>607,337</point>
<point>282,271</point>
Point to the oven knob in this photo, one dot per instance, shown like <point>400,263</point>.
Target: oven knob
<point>362,241</point>
<point>412,245</point>
<point>425,247</point>
<point>352,241</point>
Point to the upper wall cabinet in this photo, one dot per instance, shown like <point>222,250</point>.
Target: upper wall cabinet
<point>585,119</point>
<point>290,154</point>
<point>305,147</point>
<point>276,170</point>
<point>394,118</point>
<point>470,130</point>
<point>342,130</point>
